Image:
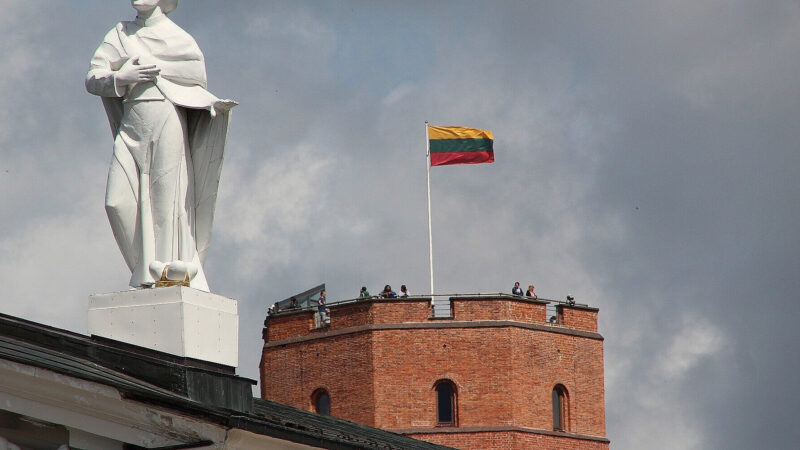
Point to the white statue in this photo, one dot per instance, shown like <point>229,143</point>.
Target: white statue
<point>169,138</point>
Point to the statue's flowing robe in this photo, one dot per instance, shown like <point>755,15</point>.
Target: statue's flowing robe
<point>168,145</point>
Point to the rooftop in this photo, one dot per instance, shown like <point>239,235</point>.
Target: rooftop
<point>480,296</point>
<point>208,393</point>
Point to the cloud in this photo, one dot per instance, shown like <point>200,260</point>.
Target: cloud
<point>51,266</point>
<point>267,211</point>
<point>20,59</point>
<point>398,93</point>
<point>696,340</point>
<point>646,377</point>
<point>646,163</point>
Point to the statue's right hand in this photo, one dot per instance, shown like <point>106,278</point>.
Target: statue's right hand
<point>131,72</point>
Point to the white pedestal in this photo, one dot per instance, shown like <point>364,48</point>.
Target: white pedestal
<point>177,320</point>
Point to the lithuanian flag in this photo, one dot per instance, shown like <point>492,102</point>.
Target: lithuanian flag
<point>460,145</point>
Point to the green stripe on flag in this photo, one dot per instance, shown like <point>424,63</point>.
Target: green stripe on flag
<point>460,145</point>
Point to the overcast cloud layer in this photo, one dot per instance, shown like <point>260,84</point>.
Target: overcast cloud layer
<point>646,162</point>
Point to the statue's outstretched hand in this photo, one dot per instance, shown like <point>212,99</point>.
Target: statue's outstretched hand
<point>222,106</point>
<point>225,105</point>
<point>131,72</point>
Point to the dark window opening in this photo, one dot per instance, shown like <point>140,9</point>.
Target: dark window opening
<point>322,402</point>
<point>445,404</point>
<point>559,408</point>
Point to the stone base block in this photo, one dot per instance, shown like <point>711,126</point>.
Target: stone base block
<point>178,320</point>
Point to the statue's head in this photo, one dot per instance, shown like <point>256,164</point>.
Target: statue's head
<point>167,6</point>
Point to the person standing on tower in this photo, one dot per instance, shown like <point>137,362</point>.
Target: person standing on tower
<point>321,308</point>
<point>321,302</point>
<point>388,292</point>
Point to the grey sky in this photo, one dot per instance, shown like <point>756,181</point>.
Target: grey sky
<point>646,163</point>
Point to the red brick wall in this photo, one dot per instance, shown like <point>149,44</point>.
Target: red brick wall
<point>578,318</point>
<point>351,315</point>
<point>290,325</point>
<point>504,375</point>
<point>341,365</point>
<point>409,362</point>
<point>380,311</point>
<point>485,440</point>
<point>542,360</point>
<point>496,309</point>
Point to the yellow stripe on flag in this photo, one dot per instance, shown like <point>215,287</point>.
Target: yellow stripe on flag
<point>458,133</point>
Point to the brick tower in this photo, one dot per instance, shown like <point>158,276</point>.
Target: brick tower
<point>496,373</point>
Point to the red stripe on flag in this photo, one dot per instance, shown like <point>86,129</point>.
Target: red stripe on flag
<point>445,159</point>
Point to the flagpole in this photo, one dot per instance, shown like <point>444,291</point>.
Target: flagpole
<point>430,228</point>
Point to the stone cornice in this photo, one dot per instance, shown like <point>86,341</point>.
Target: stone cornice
<point>456,430</point>
<point>326,333</point>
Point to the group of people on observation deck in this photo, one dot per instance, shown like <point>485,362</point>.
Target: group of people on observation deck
<point>516,290</point>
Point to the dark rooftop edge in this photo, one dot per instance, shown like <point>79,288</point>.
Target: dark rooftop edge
<point>583,437</point>
<point>156,378</point>
<point>427,298</point>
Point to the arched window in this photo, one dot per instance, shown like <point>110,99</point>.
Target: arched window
<point>446,411</point>
<point>560,408</point>
<point>321,402</point>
